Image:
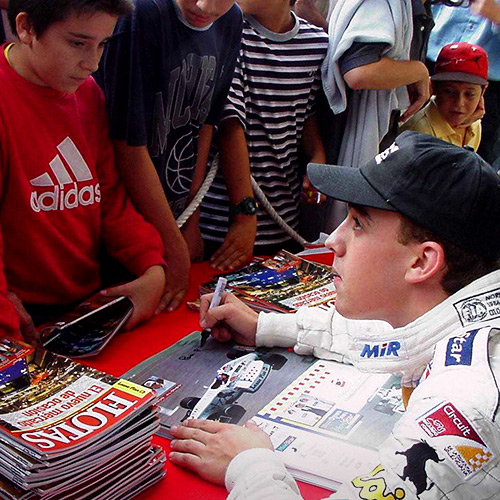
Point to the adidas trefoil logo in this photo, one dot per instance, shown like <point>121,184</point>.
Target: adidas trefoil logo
<point>65,192</point>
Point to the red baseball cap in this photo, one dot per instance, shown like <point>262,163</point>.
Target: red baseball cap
<point>462,62</point>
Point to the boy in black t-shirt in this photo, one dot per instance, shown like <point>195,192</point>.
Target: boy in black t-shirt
<point>166,75</point>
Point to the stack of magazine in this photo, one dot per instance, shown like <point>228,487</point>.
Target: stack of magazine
<point>68,431</point>
<point>281,283</point>
<point>326,419</point>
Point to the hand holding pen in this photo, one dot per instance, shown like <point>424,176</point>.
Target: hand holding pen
<point>231,320</point>
<point>216,298</point>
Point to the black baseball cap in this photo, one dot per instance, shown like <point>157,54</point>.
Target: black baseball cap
<point>446,189</point>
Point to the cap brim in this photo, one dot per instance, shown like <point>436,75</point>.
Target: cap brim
<point>457,76</point>
<point>345,184</point>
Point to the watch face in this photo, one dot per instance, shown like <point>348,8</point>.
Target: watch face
<point>249,206</point>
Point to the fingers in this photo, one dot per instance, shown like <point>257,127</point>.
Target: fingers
<point>228,256</point>
<point>221,335</point>
<point>188,445</point>
<point>116,291</point>
<point>236,260</point>
<point>199,431</point>
<point>221,250</point>
<point>412,110</point>
<point>226,259</point>
<point>135,319</point>
<point>170,301</point>
<point>205,304</point>
<point>216,314</point>
<point>207,320</point>
<point>231,319</point>
<point>164,302</point>
<point>238,245</point>
<point>176,301</point>
<point>251,425</point>
<point>27,327</point>
<point>188,461</point>
<point>414,107</point>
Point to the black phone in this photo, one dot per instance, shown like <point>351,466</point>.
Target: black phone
<point>87,329</point>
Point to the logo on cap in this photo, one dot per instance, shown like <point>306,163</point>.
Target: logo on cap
<point>384,154</point>
<point>463,62</point>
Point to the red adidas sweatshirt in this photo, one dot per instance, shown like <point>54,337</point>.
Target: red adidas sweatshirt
<point>60,196</point>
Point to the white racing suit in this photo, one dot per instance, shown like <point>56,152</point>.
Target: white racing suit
<point>447,444</point>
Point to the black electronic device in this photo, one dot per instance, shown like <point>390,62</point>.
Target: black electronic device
<point>87,329</point>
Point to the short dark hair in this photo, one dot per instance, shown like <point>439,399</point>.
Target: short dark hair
<point>463,266</point>
<point>292,3</point>
<point>43,13</point>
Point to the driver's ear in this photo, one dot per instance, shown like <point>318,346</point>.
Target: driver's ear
<point>428,262</point>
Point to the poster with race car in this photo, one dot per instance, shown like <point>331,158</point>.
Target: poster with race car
<point>327,419</point>
<point>223,382</point>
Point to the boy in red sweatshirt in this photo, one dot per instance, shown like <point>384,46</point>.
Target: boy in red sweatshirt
<point>60,194</point>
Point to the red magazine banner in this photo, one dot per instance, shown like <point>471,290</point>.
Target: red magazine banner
<point>74,416</point>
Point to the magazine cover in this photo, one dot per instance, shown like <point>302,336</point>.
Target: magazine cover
<point>224,382</point>
<point>281,283</point>
<point>69,431</point>
<point>60,405</point>
<point>329,423</point>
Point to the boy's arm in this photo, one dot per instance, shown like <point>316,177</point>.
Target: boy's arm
<point>144,292</point>
<point>129,239</point>
<point>146,191</point>
<point>191,229</point>
<point>26,325</point>
<point>237,247</point>
<point>315,152</point>
<point>390,74</point>
<point>311,141</point>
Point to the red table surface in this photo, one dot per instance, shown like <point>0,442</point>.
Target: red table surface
<point>130,348</point>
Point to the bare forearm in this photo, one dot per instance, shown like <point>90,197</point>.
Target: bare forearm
<point>145,189</point>
<point>311,141</point>
<point>386,74</point>
<point>235,163</point>
<point>203,151</point>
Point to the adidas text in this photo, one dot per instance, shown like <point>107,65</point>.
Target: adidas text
<point>60,198</point>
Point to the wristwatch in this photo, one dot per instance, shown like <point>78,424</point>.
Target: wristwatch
<point>247,206</point>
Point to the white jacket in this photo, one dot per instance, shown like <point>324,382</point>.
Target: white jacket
<point>447,444</point>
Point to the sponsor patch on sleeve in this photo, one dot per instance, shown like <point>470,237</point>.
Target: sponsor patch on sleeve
<point>479,308</point>
<point>459,349</point>
<point>453,433</point>
<point>392,349</point>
